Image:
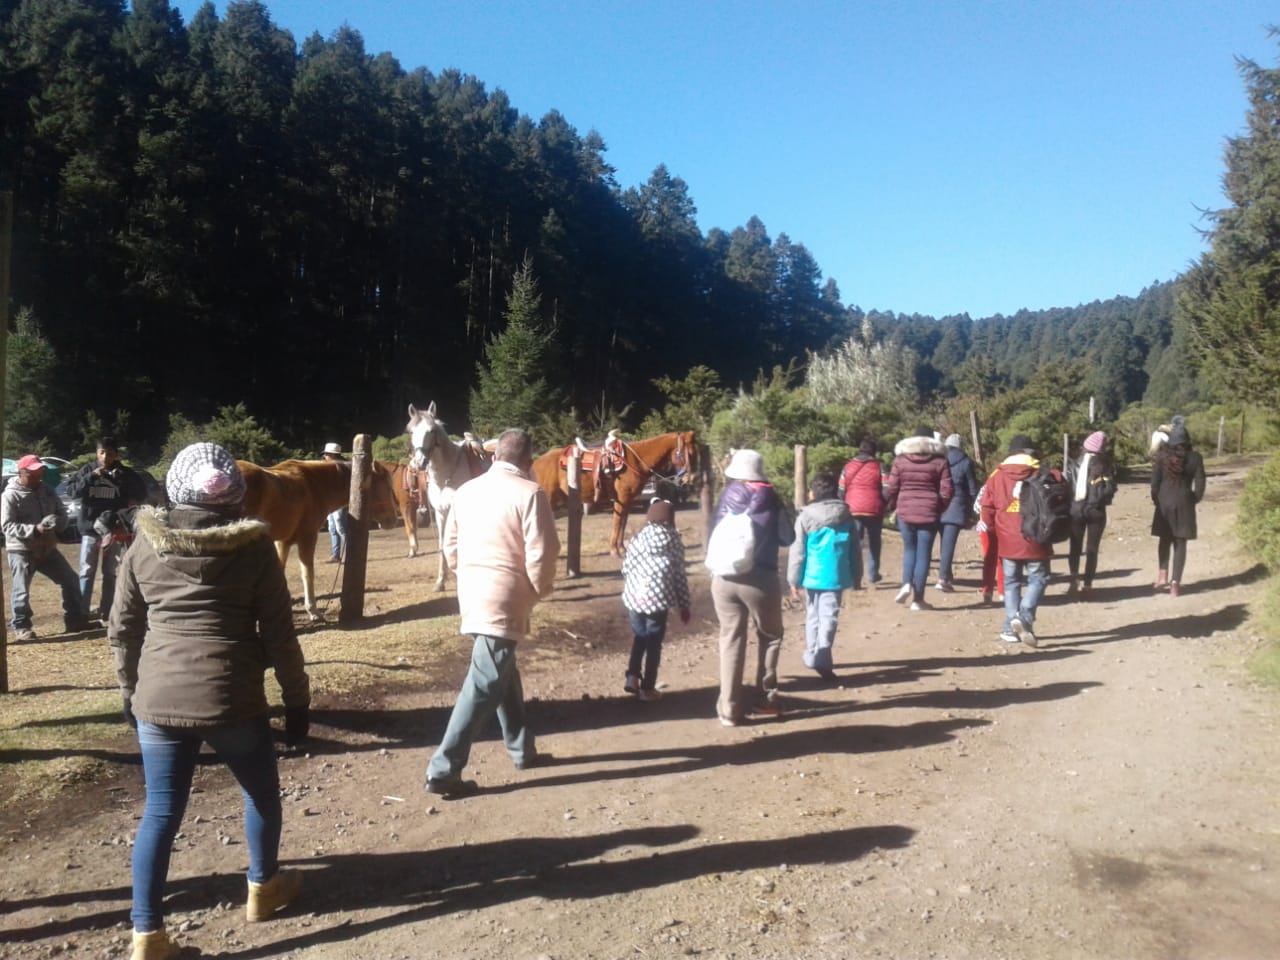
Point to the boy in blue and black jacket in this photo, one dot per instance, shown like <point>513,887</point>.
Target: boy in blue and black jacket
<point>825,561</point>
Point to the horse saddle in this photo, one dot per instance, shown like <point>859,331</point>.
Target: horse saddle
<point>605,458</point>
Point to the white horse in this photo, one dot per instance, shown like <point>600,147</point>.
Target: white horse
<point>449,464</point>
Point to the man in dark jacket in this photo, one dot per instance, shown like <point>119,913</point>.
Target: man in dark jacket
<point>1025,562</point>
<point>105,488</point>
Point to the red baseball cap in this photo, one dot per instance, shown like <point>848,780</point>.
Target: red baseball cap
<point>30,462</point>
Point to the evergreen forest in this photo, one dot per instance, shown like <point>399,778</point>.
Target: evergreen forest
<point>211,215</point>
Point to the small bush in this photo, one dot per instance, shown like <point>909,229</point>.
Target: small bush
<point>1258,518</point>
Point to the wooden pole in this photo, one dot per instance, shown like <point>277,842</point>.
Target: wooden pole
<point>802,477</point>
<point>351,607</point>
<point>1093,409</point>
<point>1222,423</point>
<point>1241,444</point>
<point>1066,449</point>
<point>973,430</point>
<point>706,495</point>
<point>6,245</point>
<point>573,552</point>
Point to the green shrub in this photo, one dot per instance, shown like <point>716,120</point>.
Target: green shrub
<point>234,429</point>
<point>1258,517</point>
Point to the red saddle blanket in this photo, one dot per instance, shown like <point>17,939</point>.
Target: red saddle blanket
<point>601,458</point>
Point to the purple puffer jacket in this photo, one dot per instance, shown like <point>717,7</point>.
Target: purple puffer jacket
<point>920,481</point>
<point>774,528</point>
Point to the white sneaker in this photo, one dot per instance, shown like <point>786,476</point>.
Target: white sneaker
<point>919,605</point>
<point>903,594</point>
<point>1008,638</point>
<point>1023,632</point>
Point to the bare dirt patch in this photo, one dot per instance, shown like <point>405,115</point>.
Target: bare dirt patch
<point>1111,794</point>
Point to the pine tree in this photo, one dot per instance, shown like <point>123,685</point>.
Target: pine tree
<point>512,388</point>
<point>1230,299</point>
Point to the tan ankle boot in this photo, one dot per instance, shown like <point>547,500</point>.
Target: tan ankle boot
<point>275,894</point>
<point>153,945</point>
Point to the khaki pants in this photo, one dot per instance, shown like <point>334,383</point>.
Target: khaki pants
<point>752,600</point>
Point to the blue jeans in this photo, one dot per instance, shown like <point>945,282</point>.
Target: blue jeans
<point>821,617</point>
<point>90,552</point>
<point>649,629</point>
<point>56,568</point>
<point>947,551</point>
<point>869,535</point>
<point>1034,574</point>
<point>168,762</point>
<point>917,551</point>
<point>337,523</point>
<point>492,685</point>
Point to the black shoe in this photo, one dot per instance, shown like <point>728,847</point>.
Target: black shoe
<point>78,626</point>
<point>453,789</point>
<point>537,760</point>
<point>829,675</point>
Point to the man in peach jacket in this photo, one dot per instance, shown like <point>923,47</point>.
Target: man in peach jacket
<point>500,540</point>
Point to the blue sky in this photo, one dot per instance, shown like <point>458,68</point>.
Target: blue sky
<point>934,157</point>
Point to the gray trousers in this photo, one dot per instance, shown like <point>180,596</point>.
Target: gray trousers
<point>751,602</point>
<point>821,617</point>
<point>492,685</point>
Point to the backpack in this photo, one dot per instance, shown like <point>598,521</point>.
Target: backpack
<point>731,550</point>
<point>1044,502</point>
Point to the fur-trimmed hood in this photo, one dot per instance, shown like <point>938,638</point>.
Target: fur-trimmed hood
<point>920,447</point>
<point>207,535</point>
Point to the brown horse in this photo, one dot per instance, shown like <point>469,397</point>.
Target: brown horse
<point>295,496</point>
<point>669,455</point>
<point>409,486</point>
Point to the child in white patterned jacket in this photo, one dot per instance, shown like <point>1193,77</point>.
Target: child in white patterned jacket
<point>654,581</point>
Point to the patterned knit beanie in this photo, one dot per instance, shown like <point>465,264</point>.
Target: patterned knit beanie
<point>205,474</point>
<point>1094,442</point>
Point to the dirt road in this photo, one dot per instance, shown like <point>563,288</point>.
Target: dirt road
<point>1112,794</point>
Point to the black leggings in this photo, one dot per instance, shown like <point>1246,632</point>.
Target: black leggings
<point>1179,545</point>
<point>1086,534</point>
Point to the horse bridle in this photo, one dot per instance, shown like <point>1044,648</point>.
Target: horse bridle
<point>679,457</point>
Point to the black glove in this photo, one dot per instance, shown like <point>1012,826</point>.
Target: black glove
<point>297,721</point>
<point>129,718</point>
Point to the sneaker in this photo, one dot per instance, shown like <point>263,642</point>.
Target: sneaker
<point>24,635</point>
<point>903,594</point>
<point>827,674</point>
<point>649,696</point>
<point>1008,637</point>
<point>453,789</point>
<point>78,626</point>
<point>945,586</point>
<point>876,579</point>
<point>1024,633</point>
<point>920,605</point>
<point>539,759</point>
<point>728,722</point>
<point>767,708</point>
<point>631,684</point>
<point>986,596</point>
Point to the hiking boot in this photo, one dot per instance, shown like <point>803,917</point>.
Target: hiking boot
<point>153,945</point>
<point>1173,588</point>
<point>24,635</point>
<point>649,696</point>
<point>271,895</point>
<point>631,684</point>
<point>1024,633</point>
<point>453,789</point>
<point>903,593</point>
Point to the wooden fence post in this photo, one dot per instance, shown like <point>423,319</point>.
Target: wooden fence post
<point>706,495</point>
<point>573,550</point>
<point>801,477</point>
<point>973,429</point>
<point>1241,445</point>
<point>1066,449</point>
<point>1222,423</point>
<point>351,606</point>
<point>6,243</point>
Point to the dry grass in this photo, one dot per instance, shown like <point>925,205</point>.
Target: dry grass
<point>61,724</point>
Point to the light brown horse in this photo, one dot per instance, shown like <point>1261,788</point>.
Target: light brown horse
<point>672,456</point>
<point>295,496</point>
<point>409,486</point>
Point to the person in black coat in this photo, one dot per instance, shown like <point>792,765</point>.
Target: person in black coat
<point>1093,485</point>
<point>1177,485</point>
<point>959,511</point>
